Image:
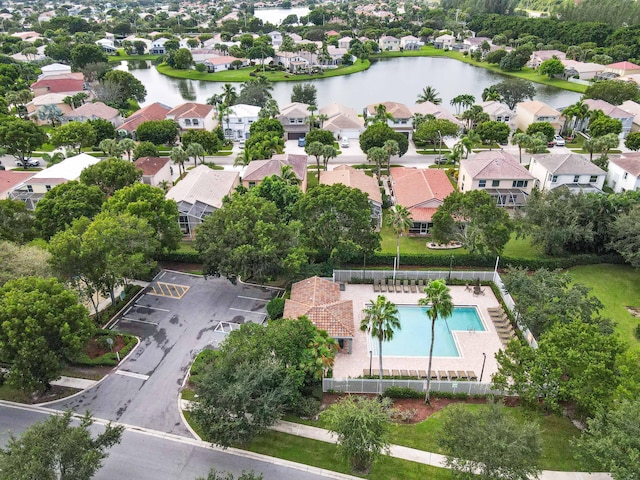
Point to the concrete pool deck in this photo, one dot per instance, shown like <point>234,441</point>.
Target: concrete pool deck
<point>471,345</point>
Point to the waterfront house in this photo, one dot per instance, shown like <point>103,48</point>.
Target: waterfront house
<point>536,111</point>
<point>193,116</point>
<point>94,111</point>
<point>388,43</point>
<point>568,169</point>
<point>342,121</point>
<point>295,120</point>
<point>154,111</point>
<point>401,117</point>
<point>612,111</point>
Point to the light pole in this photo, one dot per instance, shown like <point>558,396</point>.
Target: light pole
<point>370,361</point>
<point>482,371</point>
<point>450,267</point>
<point>440,149</point>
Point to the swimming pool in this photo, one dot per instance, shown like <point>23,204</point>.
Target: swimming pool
<point>414,338</point>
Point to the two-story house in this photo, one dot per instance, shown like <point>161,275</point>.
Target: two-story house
<point>409,42</point>
<point>444,42</point>
<point>536,111</point>
<point>295,120</point>
<point>276,38</point>
<point>624,172</point>
<point>612,111</point>
<point>154,111</point>
<point>157,46</point>
<point>237,123</point>
<point>344,42</point>
<point>342,121</point>
<point>401,118</point>
<point>540,56</point>
<point>388,43</point>
<point>193,116</point>
<point>155,170</point>
<point>499,112</point>
<point>570,170</point>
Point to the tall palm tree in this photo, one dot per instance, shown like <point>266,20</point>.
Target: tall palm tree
<point>243,159</point>
<point>400,220</point>
<point>196,151</point>
<point>179,156</point>
<point>456,102</point>
<point>380,321</point>
<point>377,155</point>
<point>521,139</point>
<point>392,148</point>
<point>289,175</point>
<point>127,146</point>
<point>490,94</point>
<point>438,296</point>
<point>50,113</point>
<point>328,152</point>
<point>229,94</point>
<point>429,94</point>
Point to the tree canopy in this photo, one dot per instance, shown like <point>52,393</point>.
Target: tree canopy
<point>21,137</point>
<point>16,221</point>
<point>613,91</point>
<point>111,175</point>
<point>377,134</point>
<point>514,90</point>
<point>158,132</point>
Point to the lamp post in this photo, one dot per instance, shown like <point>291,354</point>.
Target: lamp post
<point>482,371</point>
<point>370,361</point>
<point>440,150</point>
<point>450,267</point>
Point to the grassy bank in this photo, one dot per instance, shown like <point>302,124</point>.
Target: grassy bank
<point>526,73</point>
<point>243,75</point>
<point>123,56</point>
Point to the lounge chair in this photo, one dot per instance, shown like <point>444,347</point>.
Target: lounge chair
<point>422,373</point>
<point>413,373</point>
<point>390,285</point>
<point>385,373</point>
<point>383,285</point>
<point>434,375</point>
<point>395,373</point>
<point>405,285</point>
<point>462,375</point>
<point>471,375</point>
<point>376,286</point>
<point>452,375</point>
<point>398,286</point>
<point>404,373</point>
<point>442,375</point>
<point>501,321</point>
<point>413,286</point>
<point>495,310</point>
<point>420,285</point>
<point>376,373</point>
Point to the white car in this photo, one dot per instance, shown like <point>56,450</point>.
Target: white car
<point>30,163</point>
<point>558,140</point>
<point>344,143</point>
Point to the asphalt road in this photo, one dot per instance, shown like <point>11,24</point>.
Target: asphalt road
<point>175,319</point>
<point>149,455</point>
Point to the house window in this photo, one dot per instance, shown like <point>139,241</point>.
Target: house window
<point>48,187</point>
<point>252,184</point>
<point>292,120</point>
<point>183,222</point>
<point>403,122</point>
<point>29,189</point>
<point>520,183</point>
<point>576,178</point>
<point>299,120</point>
<point>196,122</point>
<point>495,183</point>
<point>626,174</point>
<point>507,118</point>
<point>593,179</point>
<point>482,183</point>
<point>499,118</point>
<point>187,121</point>
<point>554,178</point>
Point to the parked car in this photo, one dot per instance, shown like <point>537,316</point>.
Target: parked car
<point>440,160</point>
<point>32,162</point>
<point>241,144</point>
<point>559,141</point>
<point>302,142</point>
<point>344,143</point>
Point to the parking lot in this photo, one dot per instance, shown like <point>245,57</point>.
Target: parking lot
<point>176,316</point>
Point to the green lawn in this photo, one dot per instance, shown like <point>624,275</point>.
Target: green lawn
<point>123,56</point>
<point>616,286</point>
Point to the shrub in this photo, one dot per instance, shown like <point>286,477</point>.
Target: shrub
<point>275,308</point>
<point>307,407</point>
<point>637,332</point>
<point>402,392</point>
<point>204,358</point>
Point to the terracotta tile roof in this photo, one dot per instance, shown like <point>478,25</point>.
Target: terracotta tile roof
<point>258,170</point>
<point>623,66</point>
<point>538,108</point>
<point>422,214</point>
<point>629,162</point>
<point>607,108</point>
<point>190,110</point>
<point>222,60</point>
<point>494,165</point>
<point>396,109</point>
<point>93,110</point>
<point>319,300</point>
<point>66,82</point>
<point>10,179</point>
<point>353,178</point>
<point>151,165</point>
<point>155,111</point>
<point>420,187</point>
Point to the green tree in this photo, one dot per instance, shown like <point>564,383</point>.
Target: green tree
<point>181,59</point>
<point>248,238</point>
<point>104,129</point>
<point>128,146</point>
<point>110,148</point>
<point>605,125</point>
<point>65,203</point>
<point>488,443</point>
<point>304,93</point>
<point>267,125</point>
<point>380,320</point>
<point>21,261</point>
<point>55,449</point>
<point>179,157</point>
<point>145,149</point>
<point>429,94</point>
<point>215,475</point>
<point>400,220</point>
<point>439,304</point>
<point>315,149</point>
<point>208,140</point>
<point>111,175</point>
<point>325,137</point>
<point>149,203</point>
<point>493,132</point>
<point>377,156</point>
<point>42,326</point>
<point>50,113</point>
<point>281,191</point>
<point>377,134</point>
<point>16,222</point>
<point>86,53</point>
<point>632,141</point>
<point>625,235</point>
<point>611,441</point>
<point>158,132</point>
<point>362,427</point>
<point>196,151</point>
<point>337,223</point>
<point>256,91</point>
<point>514,90</point>
<point>551,68</point>
<point>543,127</point>
<point>613,91</point>
<point>21,137</point>
<point>75,135</point>
<point>432,131</point>
<point>126,86</point>
<point>521,140</point>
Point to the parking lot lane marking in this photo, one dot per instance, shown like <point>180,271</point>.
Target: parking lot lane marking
<point>163,274</point>
<point>246,311</point>
<point>139,376</point>
<point>127,311</point>
<point>139,321</point>
<point>254,298</point>
<point>150,308</point>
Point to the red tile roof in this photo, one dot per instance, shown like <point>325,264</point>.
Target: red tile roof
<point>190,110</point>
<point>420,190</point>
<point>623,66</point>
<point>258,170</point>
<point>68,82</point>
<point>155,111</point>
<point>151,165</point>
<point>10,179</point>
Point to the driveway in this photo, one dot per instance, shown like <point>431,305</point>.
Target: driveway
<point>175,318</point>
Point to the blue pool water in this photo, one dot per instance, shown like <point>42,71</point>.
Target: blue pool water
<point>414,338</point>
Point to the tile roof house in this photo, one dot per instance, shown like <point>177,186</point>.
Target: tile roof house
<point>342,121</point>
<point>409,42</point>
<point>54,69</point>
<point>536,111</point>
<point>155,170</point>
<point>200,193</point>
<point>220,63</point>
<point>634,109</point>
<point>351,177</point>
<point>623,68</point>
<point>583,70</point>
<point>93,111</point>
<point>69,83</point>
<point>438,111</point>
<point>540,56</point>
<point>499,174</point>
<point>49,99</point>
<point>295,120</point>
<point>568,169</point>
<point>421,191</point>
<point>444,42</point>
<point>258,170</point>
<point>612,111</point>
<point>154,111</point>
<point>389,44</point>
<point>10,179</point>
<point>401,117</point>
<point>499,112</point>
<point>193,116</point>
<point>623,173</point>
<point>319,300</point>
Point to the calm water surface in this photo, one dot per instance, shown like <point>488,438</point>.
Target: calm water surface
<point>276,15</point>
<point>395,79</point>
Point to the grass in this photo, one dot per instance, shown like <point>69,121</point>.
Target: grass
<point>242,75</point>
<point>616,286</point>
<point>123,56</point>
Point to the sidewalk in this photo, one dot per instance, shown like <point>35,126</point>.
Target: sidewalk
<point>72,382</point>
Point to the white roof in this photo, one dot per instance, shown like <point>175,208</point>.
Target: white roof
<point>56,67</point>
<point>242,110</point>
<point>68,169</point>
<point>204,185</point>
<point>49,98</point>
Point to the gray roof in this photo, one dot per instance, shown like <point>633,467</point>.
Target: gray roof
<point>568,164</point>
<point>495,164</point>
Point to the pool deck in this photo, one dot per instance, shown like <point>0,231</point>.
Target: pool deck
<point>471,345</point>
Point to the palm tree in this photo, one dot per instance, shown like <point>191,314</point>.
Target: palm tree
<point>457,102</point>
<point>328,152</point>
<point>50,113</point>
<point>127,146</point>
<point>312,118</point>
<point>380,320</point>
<point>377,155</point>
<point>521,139</point>
<point>289,175</point>
<point>164,185</point>
<point>438,296</point>
<point>490,94</point>
<point>465,145</point>
<point>229,94</point>
<point>243,159</point>
<point>429,94</point>
<point>270,109</point>
<point>179,156</point>
<point>400,220</point>
<point>196,151</point>
<point>392,148</point>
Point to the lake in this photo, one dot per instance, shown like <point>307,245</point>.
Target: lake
<point>394,79</point>
<point>276,15</point>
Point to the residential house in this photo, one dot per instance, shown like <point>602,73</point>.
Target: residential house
<point>94,111</point>
<point>388,43</point>
<point>499,112</point>
<point>238,122</point>
<point>292,61</point>
<point>401,117</point>
<point>318,299</point>
<point>536,111</point>
<point>33,189</point>
<point>69,83</point>
<point>634,109</point>
<point>351,177</point>
<point>438,111</point>
<point>409,42</point>
<point>295,120</point>
<point>155,170</point>
<point>133,39</point>
<point>157,46</point>
<point>444,42</point>
<point>34,106</point>
<point>193,116</point>
<point>581,70</point>
<point>499,174</point>
<point>29,36</point>
<point>276,38</point>
<point>54,69</point>
<point>342,121</point>
<point>345,42</point>
<point>154,111</point>
<point>10,179</point>
<point>421,191</point>
<point>622,68</point>
<point>623,172</point>
<point>295,37</point>
<point>258,170</point>
<point>220,63</point>
<point>336,54</point>
<point>200,193</point>
<point>540,56</point>
<point>474,43</point>
<point>612,111</point>
<point>107,45</point>
<point>568,169</point>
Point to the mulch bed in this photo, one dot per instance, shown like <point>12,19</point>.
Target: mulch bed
<point>96,347</point>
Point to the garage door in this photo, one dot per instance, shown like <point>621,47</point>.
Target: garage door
<point>295,136</point>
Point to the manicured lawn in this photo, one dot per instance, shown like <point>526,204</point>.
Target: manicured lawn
<point>616,286</point>
<point>123,56</point>
<point>242,75</point>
